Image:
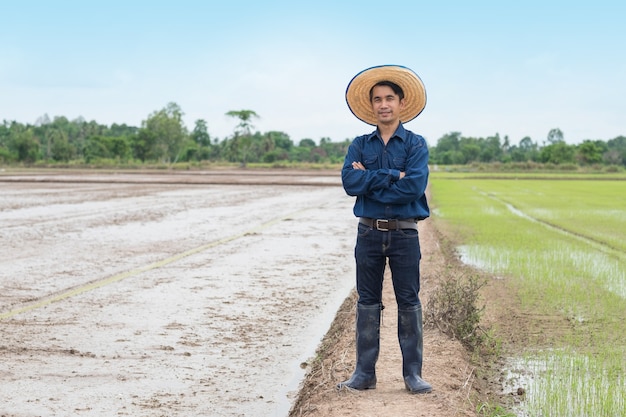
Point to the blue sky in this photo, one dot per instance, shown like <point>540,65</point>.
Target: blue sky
<point>517,69</point>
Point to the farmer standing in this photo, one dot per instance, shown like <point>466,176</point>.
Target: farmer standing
<point>387,172</point>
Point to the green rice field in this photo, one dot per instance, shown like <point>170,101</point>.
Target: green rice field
<point>559,242</point>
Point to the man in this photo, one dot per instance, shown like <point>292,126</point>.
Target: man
<point>387,172</point>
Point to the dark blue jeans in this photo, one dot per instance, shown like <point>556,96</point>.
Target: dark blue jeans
<point>402,248</point>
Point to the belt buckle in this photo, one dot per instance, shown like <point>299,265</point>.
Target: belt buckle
<point>378,227</point>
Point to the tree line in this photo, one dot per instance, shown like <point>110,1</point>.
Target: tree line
<point>163,138</point>
<point>454,149</point>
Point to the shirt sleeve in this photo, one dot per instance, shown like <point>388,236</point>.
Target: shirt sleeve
<point>358,182</point>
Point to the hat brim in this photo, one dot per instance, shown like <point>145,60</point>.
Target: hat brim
<point>358,91</point>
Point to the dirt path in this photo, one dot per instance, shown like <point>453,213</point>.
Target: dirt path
<point>446,364</point>
<point>177,294</point>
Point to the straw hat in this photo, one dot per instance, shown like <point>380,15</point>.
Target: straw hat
<point>358,92</point>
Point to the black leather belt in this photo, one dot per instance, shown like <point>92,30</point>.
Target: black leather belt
<point>387,225</point>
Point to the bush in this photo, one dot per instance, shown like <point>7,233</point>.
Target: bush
<point>452,308</point>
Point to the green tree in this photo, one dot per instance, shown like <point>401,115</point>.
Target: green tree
<point>24,146</point>
<point>558,153</point>
<point>470,149</point>
<point>114,130</point>
<point>5,132</point>
<point>527,150</point>
<point>555,136</point>
<point>190,151</point>
<point>307,143</point>
<point>300,154</point>
<point>589,152</point>
<point>276,146</point>
<point>257,146</point>
<point>281,140</point>
<point>491,149</point>
<point>335,151</point>
<point>242,138</point>
<point>447,152</point>
<point>275,155</point>
<point>58,146</point>
<point>527,145</point>
<point>119,147</point>
<point>95,148</point>
<point>62,149</point>
<point>168,131</point>
<point>616,151</point>
<point>200,133</point>
<point>144,144</point>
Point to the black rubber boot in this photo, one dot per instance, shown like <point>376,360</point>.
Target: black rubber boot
<point>412,344</point>
<point>367,348</point>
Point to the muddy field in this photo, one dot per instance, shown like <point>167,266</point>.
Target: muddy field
<point>204,294</point>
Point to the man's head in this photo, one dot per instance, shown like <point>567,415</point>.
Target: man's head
<point>395,87</point>
<point>387,101</point>
<point>368,85</point>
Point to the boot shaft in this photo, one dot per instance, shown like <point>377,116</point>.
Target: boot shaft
<point>367,336</point>
<point>367,348</point>
<point>410,337</point>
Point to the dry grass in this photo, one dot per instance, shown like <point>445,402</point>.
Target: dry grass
<point>453,309</point>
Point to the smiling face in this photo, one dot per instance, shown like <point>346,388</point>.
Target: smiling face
<point>386,105</point>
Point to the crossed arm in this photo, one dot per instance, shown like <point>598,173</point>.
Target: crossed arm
<point>358,165</point>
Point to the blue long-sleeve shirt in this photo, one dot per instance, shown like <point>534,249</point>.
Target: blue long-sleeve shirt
<point>379,191</point>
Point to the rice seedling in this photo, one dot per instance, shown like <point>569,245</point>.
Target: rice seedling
<point>564,383</point>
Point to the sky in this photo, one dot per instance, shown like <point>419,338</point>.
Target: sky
<point>517,69</point>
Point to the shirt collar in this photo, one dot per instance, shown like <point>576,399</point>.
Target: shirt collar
<point>400,132</point>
